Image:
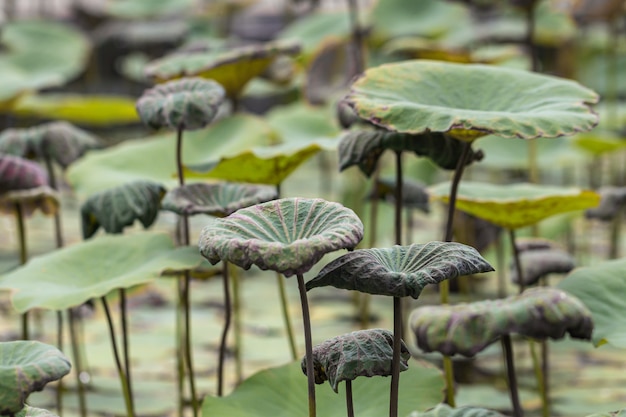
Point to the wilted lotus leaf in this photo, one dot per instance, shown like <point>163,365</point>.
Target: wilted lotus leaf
<point>231,68</point>
<point>20,174</point>
<point>218,200</point>
<point>444,410</point>
<point>25,367</point>
<point>188,103</point>
<point>414,194</point>
<point>612,200</point>
<point>538,313</point>
<point>400,271</point>
<point>541,262</point>
<point>118,207</point>
<point>28,411</point>
<point>471,100</point>
<point>361,353</point>
<point>515,205</point>
<point>364,148</point>
<point>43,198</point>
<point>288,235</point>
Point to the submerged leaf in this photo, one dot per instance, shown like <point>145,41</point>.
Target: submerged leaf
<point>444,410</point>
<point>19,174</point>
<point>188,103</point>
<point>218,200</point>
<point>361,353</point>
<point>541,262</point>
<point>538,313</point>
<point>288,235</point>
<point>400,271</point>
<point>26,367</point>
<point>118,207</point>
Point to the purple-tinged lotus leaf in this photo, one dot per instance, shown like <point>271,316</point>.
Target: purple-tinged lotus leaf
<point>188,103</point>
<point>288,235</point>
<point>43,198</point>
<point>219,200</point>
<point>400,271</point>
<point>541,262</point>
<point>20,174</point>
<point>466,329</point>
<point>612,201</point>
<point>361,353</point>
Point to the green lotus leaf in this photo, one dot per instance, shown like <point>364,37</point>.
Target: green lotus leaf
<point>20,174</point>
<point>330,71</point>
<point>361,353</point>
<point>231,68</point>
<point>288,235</point>
<point>70,276</point>
<point>444,410</point>
<point>414,194</point>
<point>313,29</point>
<point>364,148</point>
<point>143,9</point>
<point>612,201</point>
<point>466,329</point>
<point>471,100</point>
<point>302,122</point>
<point>188,103</point>
<point>619,413</point>
<point>153,159</point>
<point>598,143</point>
<point>264,395</point>
<point>25,367</point>
<point>541,262</point>
<point>41,198</point>
<point>120,206</point>
<point>400,271</point>
<point>218,200</point>
<point>515,205</point>
<point>28,411</point>
<point>92,110</point>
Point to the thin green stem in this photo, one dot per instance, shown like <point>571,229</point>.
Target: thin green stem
<point>395,362</point>
<point>180,357</point>
<point>59,393</point>
<point>227,319</point>
<point>349,400</point>
<point>237,327</point>
<point>78,363</point>
<point>21,235</point>
<point>306,321</point>
<point>539,376</point>
<point>58,234</point>
<point>501,268</point>
<point>118,363</point>
<point>286,317</point>
<point>510,372</point>
<point>398,198</point>
<point>126,345</point>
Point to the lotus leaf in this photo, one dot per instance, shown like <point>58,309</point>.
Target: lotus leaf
<point>43,198</point>
<point>138,9</point>
<point>264,395</point>
<point>414,194</point>
<point>19,174</point>
<point>471,100</point>
<point>230,68</point>
<point>330,71</point>
<point>187,103</point>
<point>444,410</point>
<point>598,143</point>
<point>218,200</point>
<point>361,353</point>
<point>612,200</point>
<point>619,413</point>
<point>119,207</point>
<point>515,205</point>
<point>400,271</point>
<point>538,313</point>
<point>541,262</point>
<point>313,29</point>
<point>28,411</point>
<point>70,276</point>
<point>301,122</point>
<point>25,367</point>
<point>534,243</point>
<point>288,235</point>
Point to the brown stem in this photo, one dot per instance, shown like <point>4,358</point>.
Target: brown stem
<point>58,234</point>
<point>516,261</point>
<point>398,198</point>
<point>395,363</point>
<point>510,372</point>
<point>227,315</point>
<point>357,36</point>
<point>349,401</point>
<point>306,321</point>
<point>125,344</point>
<point>21,236</point>
<point>59,393</point>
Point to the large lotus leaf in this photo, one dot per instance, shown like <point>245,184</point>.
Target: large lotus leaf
<point>364,148</point>
<point>400,271</point>
<point>471,100</point>
<point>538,313</point>
<point>70,276</point>
<point>231,68</point>
<point>515,205</point>
<point>28,411</point>
<point>41,198</point>
<point>20,174</point>
<point>218,200</point>
<point>361,353</point>
<point>25,367</point>
<point>188,103</point>
<point>120,206</point>
<point>414,194</point>
<point>612,201</point>
<point>282,392</point>
<point>154,158</point>
<point>143,9</point>
<point>601,288</point>
<point>541,262</point>
<point>444,410</point>
<point>92,110</point>
<point>288,235</point>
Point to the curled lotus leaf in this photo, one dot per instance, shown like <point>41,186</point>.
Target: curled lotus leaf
<point>20,174</point>
<point>515,205</point>
<point>361,353</point>
<point>288,235</point>
<point>400,271</point>
<point>414,193</point>
<point>218,200</point>
<point>43,198</point>
<point>330,71</point>
<point>118,207</point>
<point>541,262</point>
<point>466,329</point>
<point>26,367</point>
<point>471,100</point>
<point>612,201</point>
<point>364,148</point>
<point>188,103</point>
<point>444,410</point>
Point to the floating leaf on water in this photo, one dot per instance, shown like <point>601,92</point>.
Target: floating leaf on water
<point>400,271</point>
<point>444,410</point>
<point>466,329</point>
<point>541,262</point>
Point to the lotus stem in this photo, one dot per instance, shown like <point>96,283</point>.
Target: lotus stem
<point>612,93</point>
<point>398,198</point>
<point>227,314</point>
<point>21,237</point>
<point>510,372</point>
<point>125,343</point>
<point>237,323</point>
<point>78,364</point>
<point>349,401</point>
<point>58,234</point>
<point>180,358</point>
<point>501,268</point>
<point>395,362</point>
<point>616,229</point>
<point>286,317</point>
<point>130,412</point>
<point>306,320</point>
<point>357,36</point>
<point>59,393</point>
